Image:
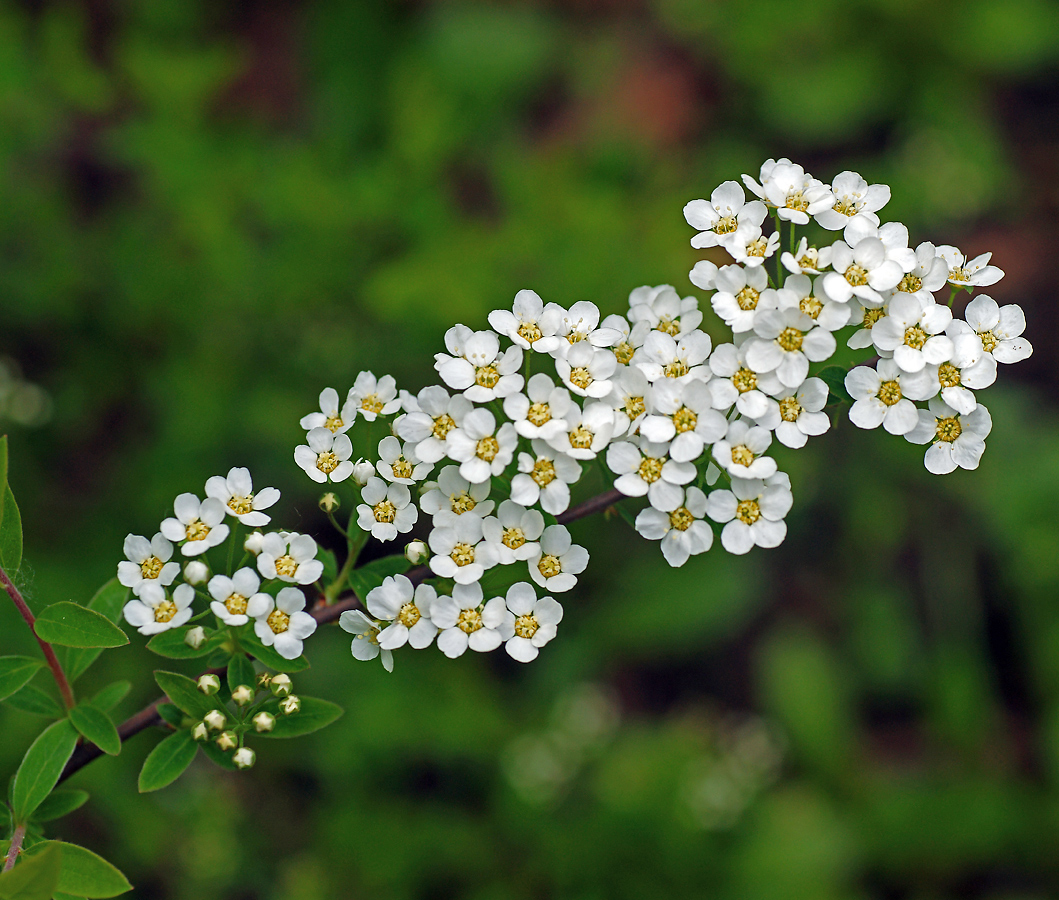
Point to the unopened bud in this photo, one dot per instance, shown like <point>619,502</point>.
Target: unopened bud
<point>200,732</point>
<point>426,486</point>
<point>195,637</point>
<point>264,721</point>
<point>244,757</point>
<point>264,679</point>
<point>215,720</point>
<point>252,544</point>
<point>329,502</point>
<point>227,740</point>
<point>243,694</point>
<point>209,684</point>
<point>416,552</point>
<point>281,685</point>
<point>196,572</point>
<point>290,705</point>
<point>362,471</point>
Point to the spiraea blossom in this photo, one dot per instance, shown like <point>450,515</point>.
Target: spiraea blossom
<point>198,524</point>
<point>281,621</point>
<point>147,562</point>
<point>325,456</point>
<point>236,492</point>
<point>155,610</point>
<point>290,557</point>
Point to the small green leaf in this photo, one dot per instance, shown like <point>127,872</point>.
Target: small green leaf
<point>366,578</point>
<point>33,699</point>
<point>240,671</point>
<point>70,625</point>
<point>41,767</point>
<point>96,727</point>
<point>60,895</point>
<point>34,878</point>
<point>108,601</point>
<point>83,873</point>
<point>269,657</point>
<point>313,715</point>
<point>15,673</point>
<point>183,693</point>
<point>60,803</point>
<point>10,534</point>
<point>835,379</point>
<point>166,762</point>
<point>111,695</point>
<point>215,754</point>
<point>171,644</point>
<point>172,714</point>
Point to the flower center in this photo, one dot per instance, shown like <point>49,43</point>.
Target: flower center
<point>409,615</point>
<point>581,438</point>
<point>384,511</point>
<point>790,409</point>
<point>151,567</point>
<point>757,247</point>
<point>443,424</point>
<point>486,376</point>
<point>165,611</point>
<point>747,298</point>
<point>462,554</point>
<point>910,284</point>
<point>236,604</point>
<point>742,455</point>
<point>725,225</point>
<point>948,375</point>
<point>668,326</point>
<point>538,414</point>
<point>513,538</point>
<point>549,566</point>
<point>797,200</point>
<point>959,273</point>
<point>529,332</point>
<point>915,337</point>
<point>949,429</point>
<point>989,341</point>
<point>488,448</point>
<point>526,626</point>
<point>401,468</point>
<point>543,472</point>
<point>871,316</point>
<point>809,259</point>
<point>790,339</point>
<point>676,369</point>
<point>681,519</point>
<point>685,420</point>
<point>889,392</point>
<point>372,404</point>
<point>462,502</point>
<point>469,621</point>
<point>333,423</point>
<point>287,565</point>
<point>327,462</point>
<point>650,469</point>
<point>744,380</point>
<point>634,406</point>
<point>810,306</point>
<point>241,505</point>
<point>857,275</point>
<point>278,621</point>
<point>624,353</point>
<point>748,511</point>
<point>197,531</point>
<point>581,377</point>
<point>847,206</point>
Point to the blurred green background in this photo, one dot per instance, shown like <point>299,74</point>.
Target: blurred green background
<point>211,210</point>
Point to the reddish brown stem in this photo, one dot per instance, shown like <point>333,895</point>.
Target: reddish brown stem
<point>16,845</point>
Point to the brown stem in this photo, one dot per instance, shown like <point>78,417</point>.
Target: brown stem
<point>16,845</point>
<point>53,661</point>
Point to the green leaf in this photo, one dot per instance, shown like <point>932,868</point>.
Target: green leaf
<point>34,878</point>
<point>327,557</point>
<point>96,727</point>
<point>183,693</point>
<point>835,379</point>
<point>111,695</point>
<point>60,895</point>
<point>60,803</point>
<point>41,767</point>
<point>171,644</point>
<point>70,625</point>
<point>313,715</point>
<point>108,601</point>
<point>83,873</point>
<point>166,762</point>
<point>367,578</point>
<point>269,657</point>
<point>33,699</point>
<point>222,758</point>
<point>15,673</point>
<point>10,533</point>
<point>3,470</point>
<point>240,671</point>
<point>172,714</point>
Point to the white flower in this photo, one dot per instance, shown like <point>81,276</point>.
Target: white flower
<point>704,275</point>
<point>800,413</point>
<point>806,259</point>
<point>854,198</point>
<point>928,274</point>
<point>974,273</point>
<point>767,168</point>
<point>371,397</point>
<point>541,414</point>
<point>683,358</point>
<point>529,324</point>
<point>407,608</point>
<point>684,418</point>
<point>741,295</point>
<point>862,271</point>
<point>968,370</point>
<point>865,316</point>
<point>325,456</point>
<point>460,553</point>
<point>428,424</point>
<point>913,334</point>
<point>795,194</point>
<point>644,468</point>
<point>797,293</point>
<point>154,611</point>
<point>535,621</point>
<point>884,395</point>
<point>997,328</point>
<point>363,472</point>
<point>456,496</point>
<point>477,367</point>
<point>579,323</point>
<point>739,453</point>
<point>387,510</point>
<point>630,397</point>
<point>749,247</point>
<point>787,341</point>
<point>231,596</point>
<point>557,561</point>
<point>236,492</point>
<point>290,557</point>
<point>726,210</point>
<point>398,464</point>
<point>365,643</point>
<point>197,523</point>
<point>282,623</point>
<point>197,572</point>
<point>959,440</point>
<point>467,622</point>
<point>630,337</point>
<point>480,452</point>
<point>736,381</point>
<point>335,419</point>
<point>662,309</point>
<point>586,369</point>
<point>590,431</point>
<point>681,529</point>
<point>147,562</point>
<point>753,510</point>
<point>546,476</point>
<point>513,532</point>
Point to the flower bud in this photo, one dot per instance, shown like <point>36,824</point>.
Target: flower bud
<point>196,572</point>
<point>244,757</point>
<point>427,486</point>
<point>264,721</point>
<point>416,552</point>
<point>215,720</point>
<point>209,684</point>
<point>290,705</point>
<point>243,694</point>
<point>227,740</point>
<point>200,732</point>
<point>281,685</point>
<point>329,502</point>
<point>195,637</point>
<point>264,679</point>
<point>252,544</point>
<point>362,471</point>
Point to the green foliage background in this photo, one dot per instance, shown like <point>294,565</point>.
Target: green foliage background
<point>211,210</point>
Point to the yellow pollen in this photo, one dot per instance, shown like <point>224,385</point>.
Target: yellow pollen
<point>372,404</point>
<point>726,225</point>
<point>747,298</point>
<point>513,538</point>
<point>526,626</point>
<point>757,247</point>
<point>236,604</point>
<point>915,337</point>
<point>748,511</point>
<point>581,377</point>
<point>685,420</point>
<point>543,472</point>
<point>462,502</point>
<point>165,611</point>
<point>959,274</point>
<point>989,341</point>
<point>790,409</point>
<point>462,554</point>
<point>809,259</point>
<point>889,392</point>
<point>676,369</point>
<point>581,438</point>
<point>634,406</point>
<point>197,530</point>
<point>286,565</point>
<point>742,454</point>
<point>549,566</point>
<point>910,284</point>
<point>790,339</point>
<point>401,468</point>
<point>797,200</point>
<point>744,380</point>
<point>624,353</point>
<point>538,414</point>
<point>846,206</point>
<point>668,326</point>
<point>871,316</point>
<point>409,615</point>
<point>333,423</point>
<point>810,306</point>
<point>151,567</point>
<point>327,462</point>
<point>949,429</point>
<point>469,621</point>
<point>681,519</point>
<point>384,511</point>
<point>529,332</point>
<point>856,275</point>
<point>576,336</point>
<point>486,376</point>
<point>488,448</point>
<point>241,505</point>
<point>948,375</point>
<point>278,621</point>
<point>443,424</point>
<point>650,469</point>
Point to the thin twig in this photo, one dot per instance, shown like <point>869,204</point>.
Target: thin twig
<point>16,845</point>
